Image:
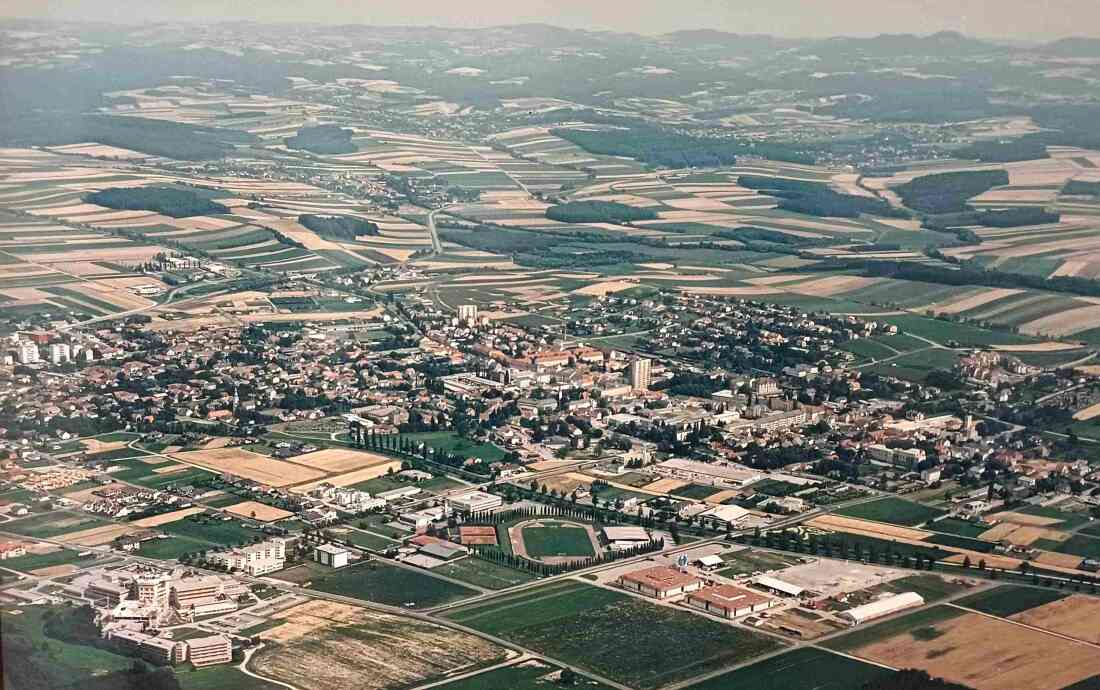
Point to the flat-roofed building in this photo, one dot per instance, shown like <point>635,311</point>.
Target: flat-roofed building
<point>476,501</point>
<point>207,651</point>
<point>106,591</point>
<point>729,601</point>
<point>190,589</point>
<point>660,582</point>
<point>331,555</point>
<point>158,650</point>
<point>257,559</point>
<point>626,537</point>
<point>778,586</point>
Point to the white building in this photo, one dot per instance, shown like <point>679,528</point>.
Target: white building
<point>882,607</point>
<point>467,313</point>
<point>257,559</point>
<point>640,374</point>
<point>476,501</point>
<point>59,353</point>
<point>26,352</point>
<point>331,555</point>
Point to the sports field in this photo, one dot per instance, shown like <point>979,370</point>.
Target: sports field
<point>550,538</point>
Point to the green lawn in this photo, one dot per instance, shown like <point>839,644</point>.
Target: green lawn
<point>484,574</point>
<point>450,442</point>
<point>916,366</point>
<point>366,540</point>
<point>211,529</point>
<point>894,511</point>
<point>387,584</point>
<point>34,561</point>
<point>52,524</point>
<point>172,548</point>
<point>621,637</point>
<point>695,491</point>
<point>555,538</point>
<point>962,528</point>
<point>1007,600</point>
<point>807,668</point>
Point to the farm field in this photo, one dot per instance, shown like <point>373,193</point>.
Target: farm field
<point>322,645</point>
<point>530,675</point>
<point>799,669</point>
<point>387,584</point>
<point>35,561</point>
<point>53,524</point>
<point>973,649</point>
<point>680,645</point>
<point>892,510</point>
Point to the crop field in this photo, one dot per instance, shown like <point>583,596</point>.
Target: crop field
<point>1007,600</point>
<point>386,584</point>
<point>529,675</point>
<point>892,510</point>
<point>254,466</point>
<point>597,629</point>
<point>36,561</point>
<point>1073,615</point>
<point>973,649</point>
<point>322,645</point>
<point>807,668</point>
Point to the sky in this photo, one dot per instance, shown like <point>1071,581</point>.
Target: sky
<point>1006,19</point>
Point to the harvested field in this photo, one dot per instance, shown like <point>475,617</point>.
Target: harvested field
<point>165,518</point>
<point>1075,616</point>
<point>55,570</point>
<point>254,466</point>
<point>258,511</point>
<point>348,479</point>
<point>97,536</point>
<point>1087,413</point>
<point>874,529</point>
<point>339,460</point>
<point>1023,519</point>
<point>608,287</point>
<point>94,445</point>
<point>374,650</point>
<point>664,486</point>
<point>1067,561</point>
<point>1021,535</point>
<point>987,654</point>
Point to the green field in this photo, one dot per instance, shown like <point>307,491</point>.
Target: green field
<point>211,529</point>
<point>1007,600</point>
<point>367,540</point>
<point>894,511</point>
<point>387,584</point>
<point>524,676</point>
<point>449,442</point>
<point>962,528</point>
<point>555,538</point>
<point>942,331</point>
<point>143,474</point>
<point>958,542</point>
<point>484,574</point>
<point>799,669</point>
<point>695,491</point>
<point>34,561</point>
<point>172,548</point>
<point>46,525</point>
<point>599,629</point>
<point>930,587</point>
<point>753,560</point>
<point>916,366</point>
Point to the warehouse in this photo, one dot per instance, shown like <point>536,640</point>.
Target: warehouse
<point>882,607</point>
<point>729,601</point>
<point>625,537</point>
<point>777,586</point>
<point>660,582</point>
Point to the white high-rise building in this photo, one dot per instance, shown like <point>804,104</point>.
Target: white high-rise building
<point>640,374</point>
<point>59,353</point>
<point>467,313</point>
<point>27,352</point>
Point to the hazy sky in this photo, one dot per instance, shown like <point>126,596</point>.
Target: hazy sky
<point>1024,19</point>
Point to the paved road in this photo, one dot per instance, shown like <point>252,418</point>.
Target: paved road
<point>437,246</point>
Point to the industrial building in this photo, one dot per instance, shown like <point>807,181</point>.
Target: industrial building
<point>729,601</point>
<point>778,586</point>
<point>660,582</point>
<point>331,555</point>
<point>476,501</point>
<point>882,607</point>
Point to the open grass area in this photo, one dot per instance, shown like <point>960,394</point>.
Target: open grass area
<point>387,584</point>
<point>450,442</point>
<point>484,574</point>
<point>58,663</point>
<point>34,561</point>
<point>696,491</point>
<point>753,560</point>
<point>916,366</point>
<point>524,676</point>
<point>894,511</point>
<point>366,540</point>
<point>554,538</point>
<point>172,548</point>
<point>51,524</point>
<point>930,587</point>
<point>942,331</point>
<point>799,669</point>
<point>599,629</point>
<point>1007,600</point>
<point>212,529</point>
<point>962,528</point>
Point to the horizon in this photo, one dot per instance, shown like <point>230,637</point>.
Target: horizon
<point>792,19</point>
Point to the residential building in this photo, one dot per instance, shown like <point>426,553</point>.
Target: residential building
<point>207,651</point>
<point>640,374</point>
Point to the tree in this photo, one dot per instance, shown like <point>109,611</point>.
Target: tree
<point>966,562</point>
